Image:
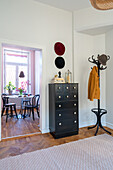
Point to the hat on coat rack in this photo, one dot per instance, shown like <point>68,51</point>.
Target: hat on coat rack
<point>102,59</point>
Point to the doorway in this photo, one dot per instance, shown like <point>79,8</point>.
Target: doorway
<point>18,60</point>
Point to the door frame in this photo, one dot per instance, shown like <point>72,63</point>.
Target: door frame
<point>43,95</point>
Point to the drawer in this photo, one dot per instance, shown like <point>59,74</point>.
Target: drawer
<point>59,97</point>
<point>67,96</point>
<point>66,105</point>
<point>74,87</point>
<point>66,88</point>
<point>74,96</point>
<point>67,114</point>
<point>66,125</point>
<point>58,88</point>
<point>70,96</point>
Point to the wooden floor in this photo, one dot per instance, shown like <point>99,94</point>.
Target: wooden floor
<point>15,127</point>
<point>41,141</point>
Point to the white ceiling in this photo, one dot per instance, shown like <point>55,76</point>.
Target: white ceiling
<point>70,5</point>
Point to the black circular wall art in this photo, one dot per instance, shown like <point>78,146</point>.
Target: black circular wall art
<point>59,62</point>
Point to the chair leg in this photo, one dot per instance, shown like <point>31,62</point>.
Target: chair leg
<point>15,112</point>
<point>11,111</point>
<point>30,112</point>
<point>24,112</point>
<point>33,113</point>
<point>7,113</point>
<point>38,113</point>
<point>2,111</point>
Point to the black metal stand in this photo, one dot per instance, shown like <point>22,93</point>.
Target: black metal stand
<point>98,112</point>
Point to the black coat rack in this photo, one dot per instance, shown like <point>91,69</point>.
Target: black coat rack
<point>98,111</point>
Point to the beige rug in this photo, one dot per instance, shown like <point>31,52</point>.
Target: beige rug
<point>94,153</point>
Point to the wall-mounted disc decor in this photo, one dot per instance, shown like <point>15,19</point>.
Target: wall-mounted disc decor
<point>59,48</point>
<point>59,62</point>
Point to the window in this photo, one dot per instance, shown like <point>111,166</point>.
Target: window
<point>15,61</point>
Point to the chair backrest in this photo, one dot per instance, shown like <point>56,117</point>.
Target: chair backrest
<point>35,100</point>
<point>5,100</point>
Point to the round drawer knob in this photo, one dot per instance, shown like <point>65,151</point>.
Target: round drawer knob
<point>67,87</point>
<point>60,105</point>
<point>74,87</point>
<point>74,104</point>
<point>60,124</point>
<point>67,96</point>
<point>74,96</point>
<point>60,114</point>
<point>59,97</point>
<point>58,87</point>
<point>75,121</point>
<point>75,113</point>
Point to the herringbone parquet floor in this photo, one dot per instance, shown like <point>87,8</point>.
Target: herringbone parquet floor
<point>41,141</point>
<point>20,126</point>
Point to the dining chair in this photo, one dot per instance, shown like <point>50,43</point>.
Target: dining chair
<point>6,106</point>
<point>32,106</point>
<point>25,101</point>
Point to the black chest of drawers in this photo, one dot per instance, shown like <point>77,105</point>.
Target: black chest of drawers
<point>63,109</point>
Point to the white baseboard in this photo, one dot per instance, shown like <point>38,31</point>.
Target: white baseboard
<point>84,124</point>
<point>109,125</point>
<point>90,123</point>
<point>44,131</point>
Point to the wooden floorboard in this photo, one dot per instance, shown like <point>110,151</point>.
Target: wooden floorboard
<point>29,144</point>
<point>15,127</point>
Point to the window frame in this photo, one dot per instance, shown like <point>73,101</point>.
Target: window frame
<point>24,52</point>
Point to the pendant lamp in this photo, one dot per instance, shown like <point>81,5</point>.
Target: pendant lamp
<point>21,75</point>
<point>102,4</point>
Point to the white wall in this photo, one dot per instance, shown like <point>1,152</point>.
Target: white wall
<point>109,79</point>
<point>28,22</point>
<point>91,18</point>
<point>85,47</point>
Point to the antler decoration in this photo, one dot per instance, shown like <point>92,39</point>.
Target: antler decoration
<point>108,57</point>
<point>103,68</point>
<point>92,60</point>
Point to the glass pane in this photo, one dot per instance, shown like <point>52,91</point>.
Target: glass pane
<point>23,81</point>
<point>16,59</point>
<point>10,75</point>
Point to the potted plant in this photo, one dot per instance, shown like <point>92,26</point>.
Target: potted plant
<point>20,90</point>
<point>10,87</point>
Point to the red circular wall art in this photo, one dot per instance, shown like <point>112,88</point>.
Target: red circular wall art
<point>59,48</point>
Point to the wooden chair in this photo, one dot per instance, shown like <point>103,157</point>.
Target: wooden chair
<point>6,107</point>
<point>34,105</point>
<point>24,102</point>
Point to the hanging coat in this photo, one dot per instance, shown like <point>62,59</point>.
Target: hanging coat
<point>93,85</point>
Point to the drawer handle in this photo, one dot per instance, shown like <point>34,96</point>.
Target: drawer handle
<point>60,114</point>
<point>74,87</point>
<point>75,121</point>
<point>58,87</point>
<point>67,87</point>
<point>74,104</point>
<point>75,113</point>
<point>67,96</point>
<point>74,96</point>
<point>60,124</point>
<point>60,105</point>
<point>59,97</point>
